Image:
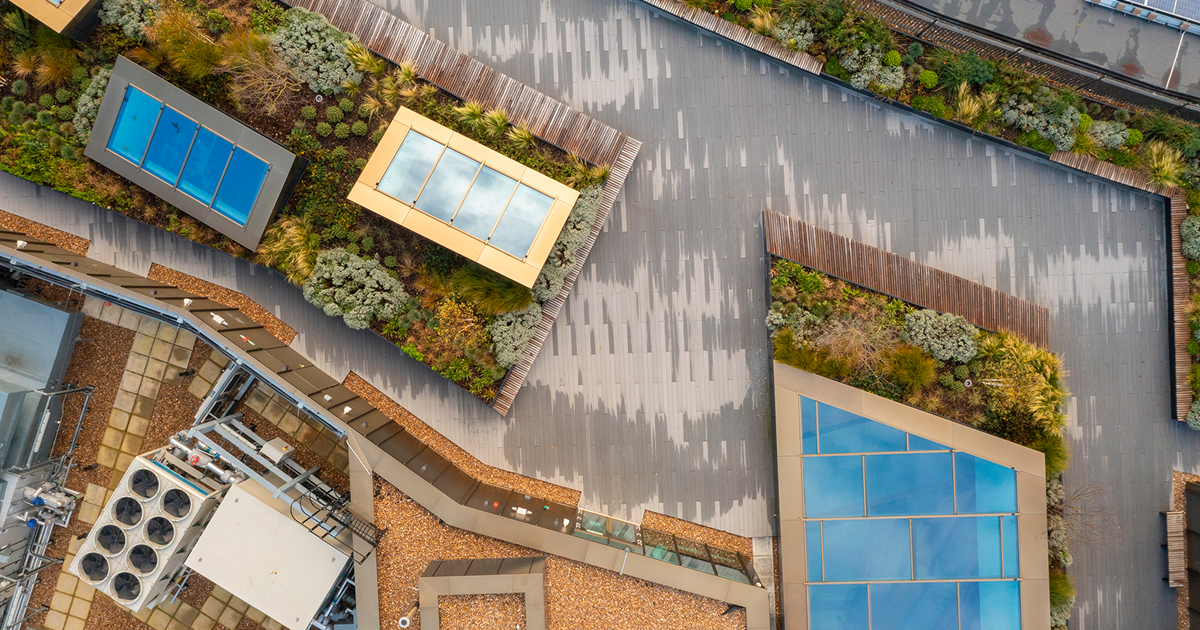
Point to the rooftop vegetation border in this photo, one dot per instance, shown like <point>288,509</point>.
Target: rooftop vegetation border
<point>938,362</point>
<point>296,78</point>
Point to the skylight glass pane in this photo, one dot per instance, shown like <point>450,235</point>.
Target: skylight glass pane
<point>808,425</point>
<point>484,203</point>
<point>1012,557</point>
<point>875,549</point>
<point>169,146</point>
<point>914,606</point>
<point>134,126</point>
<point>812,542</point>
<point>909,484</point>
<point>955,548</point>
<point>984,487</point>
<point>990,605</point>
<point>522,219</point>
<point>447,185</point>
<point>409,167</point>
<point>239,189</point>
<point>845,432</point>
<point>837,607</point>
<point>918,443</point>
<point>833,486</point>
<point>205,165</point>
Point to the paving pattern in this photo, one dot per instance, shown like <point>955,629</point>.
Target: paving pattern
<point>652,390</point>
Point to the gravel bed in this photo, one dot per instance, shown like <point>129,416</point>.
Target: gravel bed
<point>1180,480</point>
<point>481,612</point>
<point>175,409</point>
<point>59,238</point>
<point>692,531</point>
<point>577,595</point>
<point>228,297</point>
<point>106,615</point>
<point>453,452</point>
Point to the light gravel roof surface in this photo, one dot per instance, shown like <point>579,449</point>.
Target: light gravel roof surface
<point>653,390</point>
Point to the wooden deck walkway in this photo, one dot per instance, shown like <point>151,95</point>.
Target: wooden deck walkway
<point>1176,550</point>
<point>1180,286</point>
<point>904,279</point>
<point>470,80</point>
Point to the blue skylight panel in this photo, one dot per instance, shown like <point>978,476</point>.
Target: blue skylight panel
<point>918,443</point>
<point>870,549</point>
<point>838,607</point>
<point>447,185</point>
<point>955,548</point>
<point>808,426</point>
<point>833,486</point>
<point>169,146</point>
<point>205,165</point>
<point>909,484</point>
<point>1012,558</point>
<point>240,187</point>
<point>812,543</point>
<point>990,605</point>
<point>484,203</point>
<point>914,606</point>
<point>522,220</point>
<point>844,432</point>
<point>984,487</point>
<point>135,124</point>
<point>409,168</point>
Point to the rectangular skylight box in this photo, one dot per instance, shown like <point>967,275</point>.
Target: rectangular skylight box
<point>464,196</point>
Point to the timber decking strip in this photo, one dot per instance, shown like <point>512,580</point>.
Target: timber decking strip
<point>739,34</point>
<point>468,79</point>
<point>902,278</point>
<point>1176,550</point>
<point>1181,289</point>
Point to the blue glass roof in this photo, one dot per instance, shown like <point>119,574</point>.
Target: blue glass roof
<point>188,156</point>
<point>902,532</point>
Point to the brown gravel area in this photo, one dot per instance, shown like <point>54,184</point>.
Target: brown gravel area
<point>481,612</point>
<point>302,455</point>
<point>692,531</point>
<point>59,238</point>
<point>175,409</point>
<point>228,297</point>
<point>778,591</point>
<point>197,591</point>
<point>1180,480</point>
<point>106,615</point>
<point>99,362</point>
<point>453,452</point>
<point>577,595</point>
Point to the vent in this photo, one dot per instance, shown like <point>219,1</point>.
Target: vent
<point>126,586</point>
<point>94,567</point>
<point>143,559</point>
<point>127,511</point>
<point>176,503</point>
<point>111,539</point>
<point>144,484</point>
<point>159,530</point>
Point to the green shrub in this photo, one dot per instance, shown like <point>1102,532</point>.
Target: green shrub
<point>1193,267</point>
<point>1193,348</point>
<point>15,117</point>
<point>458,370</point>
<point>346,105</point>
<point>1062,591</point>
<point>1085,122</point>
<point>946,380</point>
<point>892,59</point>
<point>216,22</point>
<point>315,50</point>
<point>308,112</point>
<point>334,114</point>
<point>1135,138</point>
<point>46,101</point>
<point>1193,416</point>
<point>944,336</point>
<point>929,79</point>
<point>512,331</point>
<point>80,77</point>
<point>359,290</point>
<point>490,292</point>
<point>66,112</point>
<point>68,153</point>
<point>131,16</point>
<point>341,131</point>
<point>340,153</point>
<point>324,129</point>
<point>19,87</point>
<point>63,96</point>
<point>1034,141</point>
<point>359,128</point>
<point>266,17</point>
<point>412,351</point>
<point>352,249</point>
<point>932,104</point>
<point>45,118</point>
<point>360,164</point>
<point>88,104</point>
<point>915,52</point>
<point>1194,377</point>
<point>368,243</point>
<point>962,372</point>
<point>967,67</point>
<point>911,368</point>
<point>377,135</point>
<point>1055,450</point>
<point>743,5</point>
<point>6,103</point>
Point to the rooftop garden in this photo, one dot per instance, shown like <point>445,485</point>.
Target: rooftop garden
<point>995,382</point>
<point>297,79</point>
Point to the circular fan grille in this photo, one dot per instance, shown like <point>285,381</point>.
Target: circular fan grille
<point>94,566</point>
<point>159,530</point>
<point>143,558</point>
<point>144,483</point>
<point>126,586</point>
<point>176,503</point>
<point>111,539</point>
<point>127,511</point>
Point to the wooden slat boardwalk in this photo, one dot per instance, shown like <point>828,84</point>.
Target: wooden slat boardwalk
<point>1181,290</point>
<point>550,120</point>
<point>1176,549</point>
<point>904,279</point>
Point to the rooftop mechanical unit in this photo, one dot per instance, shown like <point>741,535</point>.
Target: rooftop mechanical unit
<point>154,518</point>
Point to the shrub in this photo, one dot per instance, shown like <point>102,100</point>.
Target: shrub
<point>412,351</point>
<point>489,292</point>
<point>1193,348</point>
<point>932,104</point>
<point>511,332</point>
<point>315,50</point>
<point>944,336</point>
<point>1193,267</point>
<point>1055,450</point>
<point>359,128</point>
<point>6,103</point>
<point>346,105</point>
<point>494,124</point>
<point>358,289</point>
<point>46,101</point>
<point>19,87</point>
<point>1062,591</point>
<point>562,255</point>
<point>15,117</point>
<point>376,136</point>
<point>88,104</point>
<point>63,95</point>
<point>68,153</point>
<point>1194,377</point>
<point>1034,141</point>
<point>1162,163</point>
<point>521,138</point>
<point>892,58</point>
<point>962,372</point>
<point>743,5</point>
<point>470,115</point>
<point>216,22</point>
<point>1135,138</point>
<point>969,67</point>
<point>308,112</point>
<point>1189,230</point>
<point>45,118</point>
<point>1045,114</point>
<point>947,380</point>
<point>334,114</point>
<point>911,368</point>
<point>794,34</point>
<point>866,67</point>
<point>1085,122</point>
<point>360,164</point>
<point>1193,416</point>
<point>341,131</point>
<point>365,111</point>
<point>915,52</point>
<point>1109,134</point>
<point>66,112</point>
<point>132,16</point>
<point>291,247</point>
<point>324,129</point>
<point>929,79</point>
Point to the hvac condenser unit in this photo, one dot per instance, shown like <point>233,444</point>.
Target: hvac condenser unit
<point>145,533</point>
